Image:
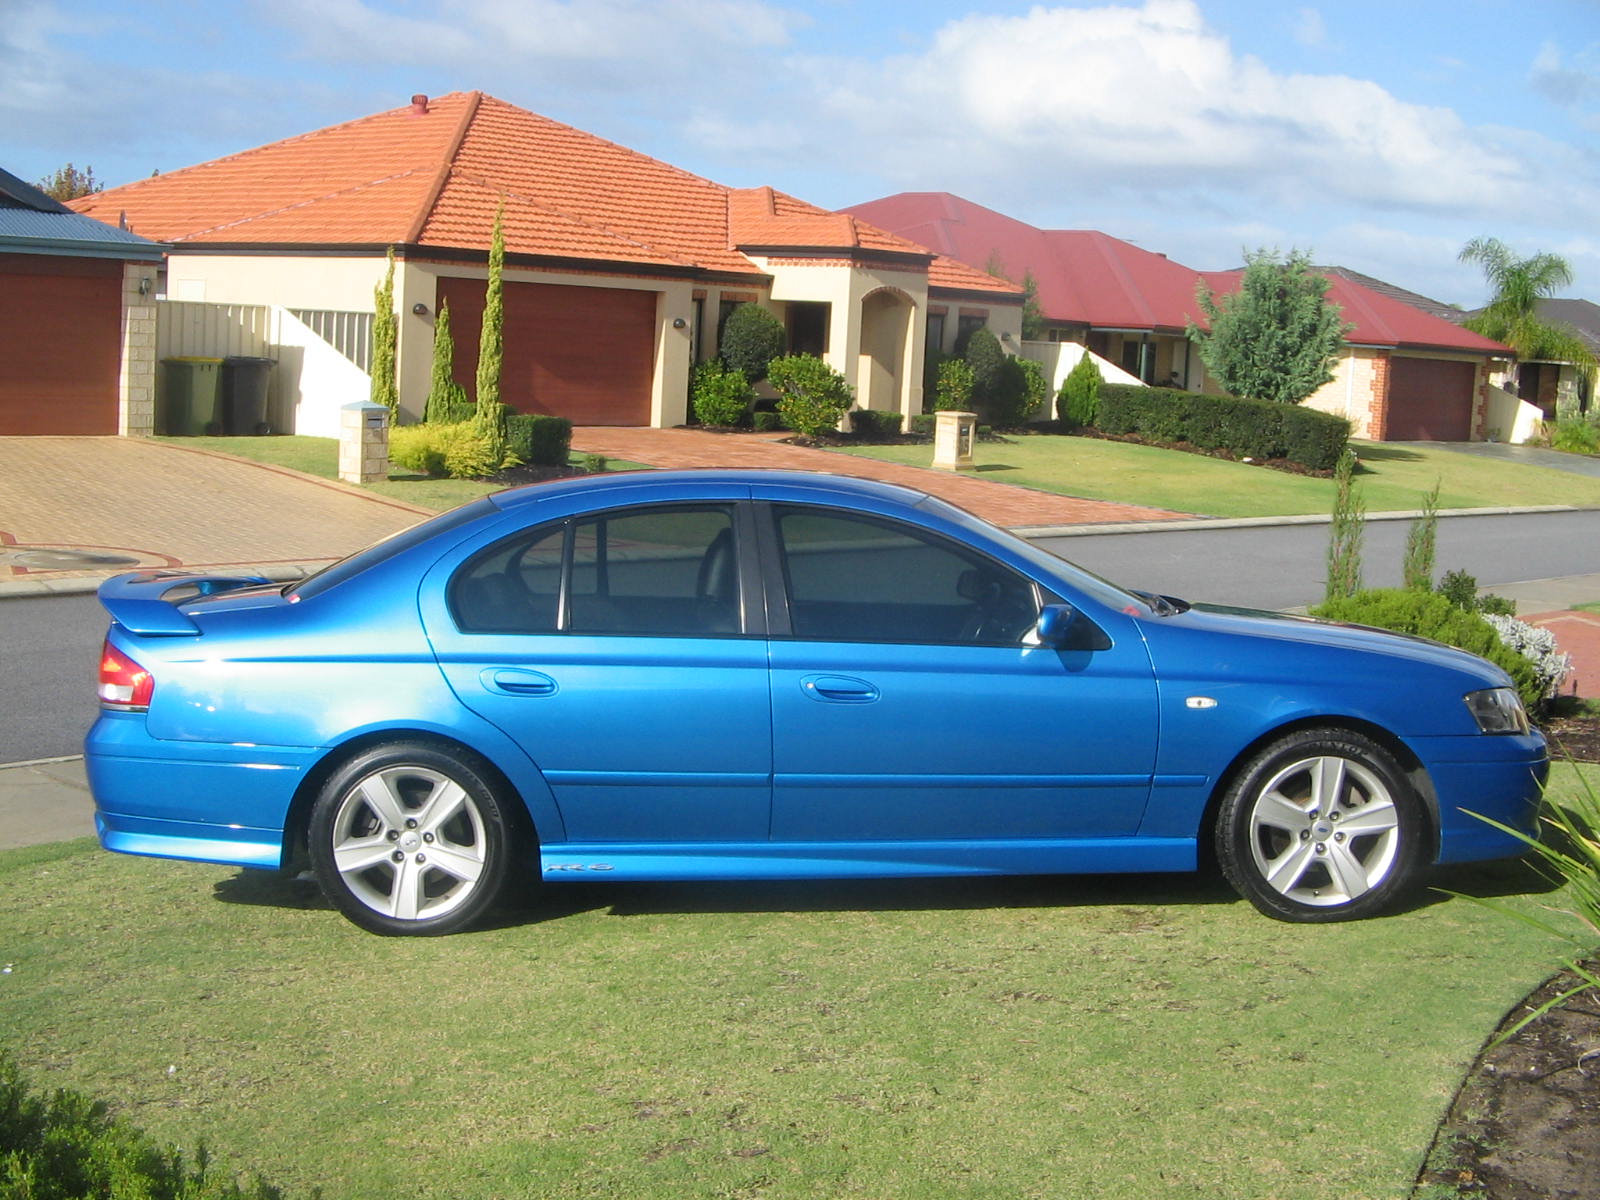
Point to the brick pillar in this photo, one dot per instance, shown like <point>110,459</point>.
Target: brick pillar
<point>136,384</point>
<point>1378,409</point>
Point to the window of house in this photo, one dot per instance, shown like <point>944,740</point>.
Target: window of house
<point>967,325</point>
<point>808,327</point>
<point>935,331</point>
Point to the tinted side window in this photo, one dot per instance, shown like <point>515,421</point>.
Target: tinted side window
<point>855,579</point>
<point>658,571</point>
<point>661,571</point>
<point>515,587</point>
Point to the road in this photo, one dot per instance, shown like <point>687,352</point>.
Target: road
<point>49,645</point>
<point>1283,566</point>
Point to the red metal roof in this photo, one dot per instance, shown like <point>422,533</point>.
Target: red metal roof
<point>1089,278</point>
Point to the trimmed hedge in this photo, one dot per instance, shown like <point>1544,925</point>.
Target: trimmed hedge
<point>1248,428</point>
<point>875,422</point>
<point>539,440</point>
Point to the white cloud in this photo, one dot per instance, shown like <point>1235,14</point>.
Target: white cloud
<point>1119,99</point>
<point>1309,28</point>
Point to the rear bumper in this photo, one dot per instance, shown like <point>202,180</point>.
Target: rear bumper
<point>203,801</point>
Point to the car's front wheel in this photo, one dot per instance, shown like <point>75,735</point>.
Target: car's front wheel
<point>408,838</point>
<point>1321,825</point>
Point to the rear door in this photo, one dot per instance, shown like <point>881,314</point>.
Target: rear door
<point>624,651</point>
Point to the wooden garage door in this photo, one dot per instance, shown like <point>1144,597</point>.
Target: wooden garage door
<point>62,323</point>
<point>587,354</point>
<point>1430,400</point>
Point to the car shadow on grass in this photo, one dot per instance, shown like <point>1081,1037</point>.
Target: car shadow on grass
<point>536,905</point>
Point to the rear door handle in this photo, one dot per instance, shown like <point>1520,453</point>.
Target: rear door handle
<point>839,689</point>
<point>514,681</point>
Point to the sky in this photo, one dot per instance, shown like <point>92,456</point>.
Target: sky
<point>1379,136</point>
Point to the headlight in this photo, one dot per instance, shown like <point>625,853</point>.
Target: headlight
<point>1498,710</point>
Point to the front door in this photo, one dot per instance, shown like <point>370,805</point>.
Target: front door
<point>907,706</point>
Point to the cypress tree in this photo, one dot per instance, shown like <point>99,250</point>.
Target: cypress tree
<point>385,337</point>
<point>489,417</point>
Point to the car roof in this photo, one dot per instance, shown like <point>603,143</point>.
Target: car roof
<point>693,484</point>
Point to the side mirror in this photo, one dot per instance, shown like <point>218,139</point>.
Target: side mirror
<point>1055,625</point>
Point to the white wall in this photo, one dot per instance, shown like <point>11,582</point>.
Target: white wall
<point>1058,359</point>
<point>1510,418</point>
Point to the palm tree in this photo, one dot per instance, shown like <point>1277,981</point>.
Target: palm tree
<point>1512,315</point>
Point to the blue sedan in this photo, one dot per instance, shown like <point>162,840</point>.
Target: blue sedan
<point>777,675</point>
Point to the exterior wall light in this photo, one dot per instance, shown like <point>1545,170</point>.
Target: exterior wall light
<point>420,309</point>
<point>679,323</point>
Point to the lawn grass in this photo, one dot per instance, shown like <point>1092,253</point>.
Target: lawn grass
<point>1110,1037</point>
<point>320,456</point>
<point>1394,477</point>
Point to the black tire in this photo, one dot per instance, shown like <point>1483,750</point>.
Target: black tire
<point>1321,825</point>
<point>410,839</point>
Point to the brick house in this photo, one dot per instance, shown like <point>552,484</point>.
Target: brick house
<point>619,268</point>
<point>79,320</point>
<point>1406,373</point>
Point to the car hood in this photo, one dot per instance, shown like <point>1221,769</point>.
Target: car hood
<point>1314,631</point>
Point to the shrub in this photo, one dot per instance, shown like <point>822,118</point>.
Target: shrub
<point>1078,402</point>
<point>875,422</point>
<point>67,1145</point>
<point>1001,389</point>
<point>418,448</point>
<point>765,421</point>
<point>751,338</point>
<point>720,394</point>
<point>470,455</point>
<point>1035,387</point>
<point>922,424</point>
<point>1576,435</point>
<point>953,392</point>
<point>541,440</point>
<point>1248,428</point>
<point>1461,589</point>
<point>1430,615</point>
<point>1538,646</point>
<point>595,464</point>
<point>813,396</point>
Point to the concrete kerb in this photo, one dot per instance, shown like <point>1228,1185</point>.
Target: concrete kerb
<point>79,585</point>
<point>1041,531</point>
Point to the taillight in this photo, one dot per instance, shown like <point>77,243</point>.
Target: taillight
<point>124,684</point>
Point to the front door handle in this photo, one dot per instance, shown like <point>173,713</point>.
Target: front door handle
<point>839,689</point>
<point>515,681</point>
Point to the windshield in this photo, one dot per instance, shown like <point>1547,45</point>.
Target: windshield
<point>396,543</point>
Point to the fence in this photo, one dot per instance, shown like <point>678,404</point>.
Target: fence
<point>321,357</point>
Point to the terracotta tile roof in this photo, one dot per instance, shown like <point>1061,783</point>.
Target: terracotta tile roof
<point>1089,278</point>
<point>433,174</point>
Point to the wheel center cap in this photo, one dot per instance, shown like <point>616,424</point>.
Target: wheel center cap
<point>409,840</point>
<point>1322,829</point>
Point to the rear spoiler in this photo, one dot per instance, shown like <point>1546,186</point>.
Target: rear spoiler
<point>145,602</point>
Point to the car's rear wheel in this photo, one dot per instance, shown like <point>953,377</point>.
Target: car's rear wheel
<point>408,838</point>
<point>1322,825</point>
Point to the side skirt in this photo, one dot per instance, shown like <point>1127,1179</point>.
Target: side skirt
<point>863,860</point>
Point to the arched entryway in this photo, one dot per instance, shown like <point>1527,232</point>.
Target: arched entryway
<point>885,345</point>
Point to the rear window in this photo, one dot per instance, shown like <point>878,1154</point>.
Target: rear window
<point>397,543</point>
